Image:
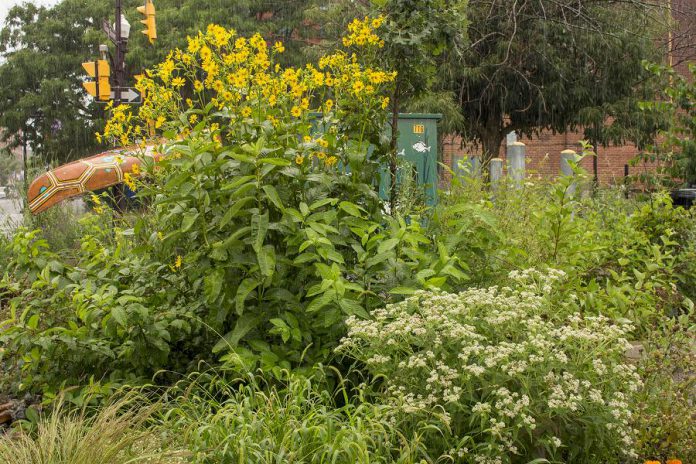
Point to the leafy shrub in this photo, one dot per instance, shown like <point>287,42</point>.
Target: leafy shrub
<point>665,417</point>
<point>506,376</point>
<point>261,232</point>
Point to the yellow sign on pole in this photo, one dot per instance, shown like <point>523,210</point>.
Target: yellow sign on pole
<point>100,87</point>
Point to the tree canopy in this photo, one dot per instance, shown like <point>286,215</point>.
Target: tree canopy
<point>42,48</point>
<point>536,66</point>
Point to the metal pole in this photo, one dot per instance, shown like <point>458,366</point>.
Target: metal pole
<point>118,75</point>
<point>24,160</point>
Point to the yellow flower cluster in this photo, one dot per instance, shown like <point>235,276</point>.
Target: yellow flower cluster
<point>362,32</point>
<point>221,73</point>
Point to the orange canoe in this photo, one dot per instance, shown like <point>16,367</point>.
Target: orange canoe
<point>88,174</point>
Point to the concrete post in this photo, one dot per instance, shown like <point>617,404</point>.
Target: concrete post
<point>516,156</point>
<point>566,157</point>
<point>496,171</point>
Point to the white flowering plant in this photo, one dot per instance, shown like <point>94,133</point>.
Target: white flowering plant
<point>505,379</point>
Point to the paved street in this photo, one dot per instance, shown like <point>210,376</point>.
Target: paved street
<point>10,214</point>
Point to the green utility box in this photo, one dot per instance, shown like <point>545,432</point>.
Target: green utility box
<point>417,146</point>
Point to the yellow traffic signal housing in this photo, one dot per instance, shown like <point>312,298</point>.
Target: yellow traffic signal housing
<point>100,86</point>
<point>148,10</point>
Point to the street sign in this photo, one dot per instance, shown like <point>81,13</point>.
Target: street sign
<point>108,30</point>
<point>129,95</point>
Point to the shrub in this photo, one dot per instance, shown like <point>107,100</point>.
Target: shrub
<point>504,374</point>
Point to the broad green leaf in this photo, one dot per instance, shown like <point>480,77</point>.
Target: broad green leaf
<point>245,288</point>
<point>272,195</point>
<point>212,284</point>
<point>188,220</point>
<point>350,208</point>
<point>259,227</point>
<point>119,315</point>
<point>234,211</point>
<point>244,325</point>
<point>387,245</point>
<point>267,260</point>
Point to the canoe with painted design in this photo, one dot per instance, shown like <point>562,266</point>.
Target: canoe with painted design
<point>85,175</point>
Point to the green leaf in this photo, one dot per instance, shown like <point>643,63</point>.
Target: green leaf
<point>244,325</point>
<point>266,259</point>
<point>212,285</point>
<point>387,245</point>
<point>272,195</point>
<point>320,302</point>
<point>259,227</point>
<point>350,208</point>
<point>275,161</point>
<point>234,210</point>
<point>119,315</point>
<point>402,291</point>
<point>245,288</point>
<point>188,220</point>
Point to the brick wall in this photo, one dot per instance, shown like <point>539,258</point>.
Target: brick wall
<point>544,155</point>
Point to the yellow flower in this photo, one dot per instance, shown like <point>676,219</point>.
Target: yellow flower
<point>304,104</point>
<point>377,22</point>
<point>296,111</point>
<point>323,143</point>
<point>178,82</point>
<point>193,118</point>
<point>307,139</point>
<point>189,102</point>
<point>99,137</point>
<point>96,200</point>
<point>272,100</point>
<point>321,155</point>
<point>299,159</point>
<point>246,112</point>
<point>385,103</point>
<point>328,104</point>
<point>135,169</point>
<point>128,180</point>
<point>331,160</point>
<point>358,87</point>
<point>160,235</point>
<point>177,263</point>
<point>278,47</point>
<point>197,85</point>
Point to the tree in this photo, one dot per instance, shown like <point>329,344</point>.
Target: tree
<point>42,50</point>
<point>675,154</point>
<point>535,65</point>
<point>415,35</point>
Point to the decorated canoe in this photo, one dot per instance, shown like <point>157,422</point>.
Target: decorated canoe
<point>85,175</point>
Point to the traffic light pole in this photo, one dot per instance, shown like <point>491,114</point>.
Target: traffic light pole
<point>120,58</point>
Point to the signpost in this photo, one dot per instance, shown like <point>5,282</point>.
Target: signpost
<point>111,85</point>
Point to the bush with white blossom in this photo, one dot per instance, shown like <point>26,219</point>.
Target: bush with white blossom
<point>507,376</point>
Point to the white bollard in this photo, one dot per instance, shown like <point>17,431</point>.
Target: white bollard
<point>517,162</point>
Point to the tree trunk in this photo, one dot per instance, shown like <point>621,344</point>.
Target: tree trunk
<point>490,145</point>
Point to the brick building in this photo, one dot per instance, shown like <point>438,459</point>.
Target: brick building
<point>543,151</point>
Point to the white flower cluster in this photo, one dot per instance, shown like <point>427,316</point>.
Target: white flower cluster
<point>499,363</point>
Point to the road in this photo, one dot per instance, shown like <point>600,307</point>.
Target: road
<point>10,214</point>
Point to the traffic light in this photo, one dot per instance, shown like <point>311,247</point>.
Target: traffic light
<point>100,86</point>
<point>148,10</point>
